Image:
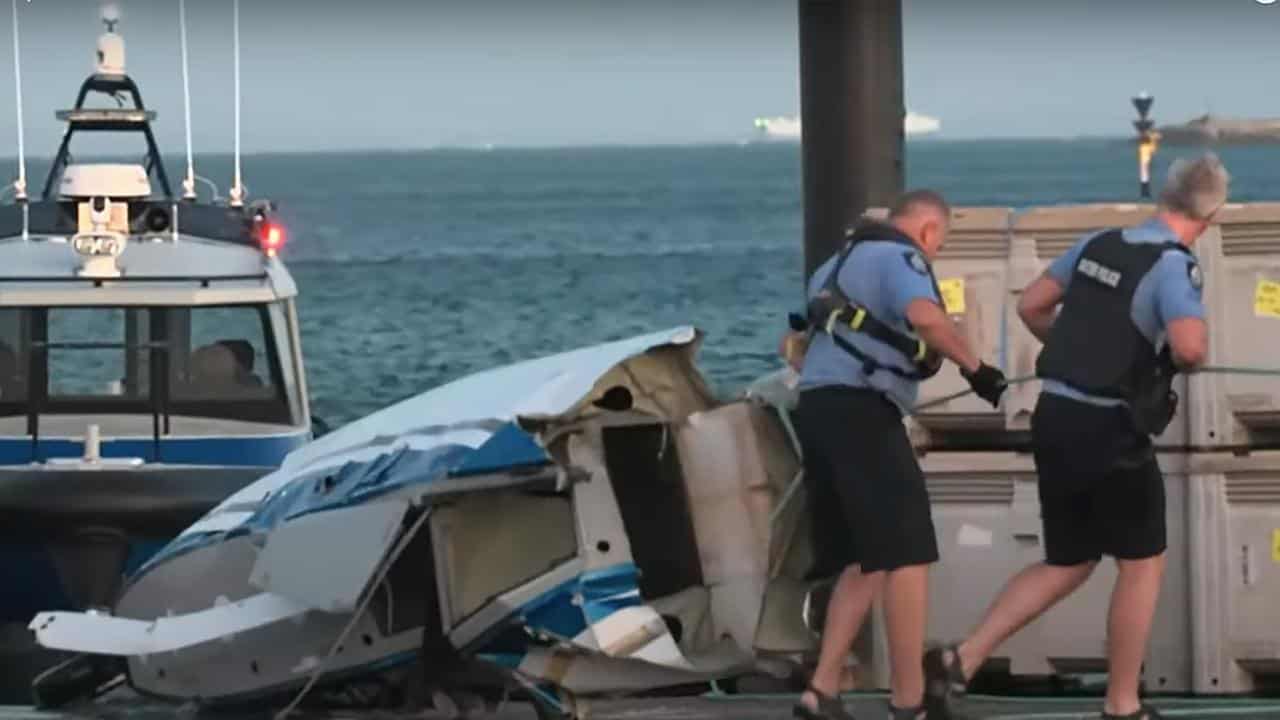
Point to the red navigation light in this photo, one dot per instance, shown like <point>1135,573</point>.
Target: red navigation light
<point>271,239</point>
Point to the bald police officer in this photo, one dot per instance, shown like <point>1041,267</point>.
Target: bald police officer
<point>879,329</point>
<point>1131,318</point>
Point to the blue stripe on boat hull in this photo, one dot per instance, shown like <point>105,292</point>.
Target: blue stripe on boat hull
<point>257,451</point>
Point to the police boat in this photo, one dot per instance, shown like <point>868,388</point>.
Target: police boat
<point>588,523</point>
<point>150,363</point>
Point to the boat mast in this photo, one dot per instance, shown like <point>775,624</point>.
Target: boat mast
<point>19,186</point>
<point>188,184</point>
<point>237,189</point>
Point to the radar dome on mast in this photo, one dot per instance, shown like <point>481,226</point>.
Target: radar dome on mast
<point>110,45</point>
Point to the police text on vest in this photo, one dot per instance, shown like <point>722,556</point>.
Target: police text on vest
<point>1101,273</point>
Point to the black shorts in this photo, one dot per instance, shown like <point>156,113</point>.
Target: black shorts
<point>1101,490</point>
<point>866,491</point>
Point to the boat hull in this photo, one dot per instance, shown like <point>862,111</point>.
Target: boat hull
<point>71,531</point>
<point>67,537</point>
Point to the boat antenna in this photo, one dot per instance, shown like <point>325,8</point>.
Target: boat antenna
<point>237,189</point>
<point>189,184</point>
<point>19,186</point>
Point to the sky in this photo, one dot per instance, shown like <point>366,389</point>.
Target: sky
<point>409,74</point>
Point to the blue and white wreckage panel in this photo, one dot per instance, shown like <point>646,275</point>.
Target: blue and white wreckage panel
<point>593,521</point>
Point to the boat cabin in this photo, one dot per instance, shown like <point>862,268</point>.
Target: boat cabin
<point>161,321</point>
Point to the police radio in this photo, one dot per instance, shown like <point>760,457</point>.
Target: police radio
<point>1156,402</point>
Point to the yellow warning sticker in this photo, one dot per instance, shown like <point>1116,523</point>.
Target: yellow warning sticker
<point>953,295</point>
<point>1266,299</point>
<point>1275,546</point>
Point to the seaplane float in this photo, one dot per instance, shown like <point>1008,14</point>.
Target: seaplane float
<point>590,523</point>
<point>150,363</point>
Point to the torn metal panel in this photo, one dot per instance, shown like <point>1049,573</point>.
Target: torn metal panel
<point>736,465</point>
<point>486,545</point>
<point>107,635</point>
<point>349,543</point>
<point>591,673</point>
<point>539,602</point>
<point>601,535</point>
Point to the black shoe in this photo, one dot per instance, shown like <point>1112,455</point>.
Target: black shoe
<point>943,680</point>
<point>829,708</point>
<point>1144,712</point>
<point>915,713</point>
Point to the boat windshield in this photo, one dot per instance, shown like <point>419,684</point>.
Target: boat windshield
<point>230,362</point>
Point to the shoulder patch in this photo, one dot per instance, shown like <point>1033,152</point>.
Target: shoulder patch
<point>916,262</point>
<point>1194,274</point>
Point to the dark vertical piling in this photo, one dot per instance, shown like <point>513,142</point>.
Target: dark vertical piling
<point>852,111</point>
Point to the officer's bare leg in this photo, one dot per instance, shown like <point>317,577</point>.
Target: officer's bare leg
<point>850,600</point>
<point>1133,607</point>
<point>906,609</point>
<point>1030,593</point>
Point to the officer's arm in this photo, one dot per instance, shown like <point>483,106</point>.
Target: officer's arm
<point>1180,307</point>
<point>1189,339</point>
<point>911,292</point>
<point>1039,304</point>
<point>938,332</point>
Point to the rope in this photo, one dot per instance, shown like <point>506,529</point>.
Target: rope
<point>211,185</point>
<point>1012,382</point>
<point>1206,370</point>
<point>20,186</point>
<point>189,184</point>
<point>1230,370</point>
<point>962,393</point>
<point>391,605</point>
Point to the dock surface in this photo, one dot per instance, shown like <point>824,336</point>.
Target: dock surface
<point>706,708</point>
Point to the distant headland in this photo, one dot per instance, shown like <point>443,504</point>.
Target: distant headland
<point>1216,130</point>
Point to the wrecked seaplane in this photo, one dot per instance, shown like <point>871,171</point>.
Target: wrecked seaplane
<point>593,522</point>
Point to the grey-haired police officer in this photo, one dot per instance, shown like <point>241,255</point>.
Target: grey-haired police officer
<point>1131,317</point>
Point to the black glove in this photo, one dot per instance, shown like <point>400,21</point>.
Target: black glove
<point>988,382</point>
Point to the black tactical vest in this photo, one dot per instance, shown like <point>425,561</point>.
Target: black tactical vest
<point>1094,345</point>
<point>832,308</point>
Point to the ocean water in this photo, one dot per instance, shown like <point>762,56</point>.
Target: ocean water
<point>416,268</point>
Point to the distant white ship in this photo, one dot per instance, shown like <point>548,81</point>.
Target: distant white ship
<point>788,127</point>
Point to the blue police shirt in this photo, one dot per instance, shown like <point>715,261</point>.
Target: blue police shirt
<point>1170,290</point>
<point>884,277</point>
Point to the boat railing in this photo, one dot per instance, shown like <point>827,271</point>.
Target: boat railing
<point>147,218</point>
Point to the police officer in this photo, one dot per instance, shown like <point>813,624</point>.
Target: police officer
<point>1131,318</point>
<point>879,328</point>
